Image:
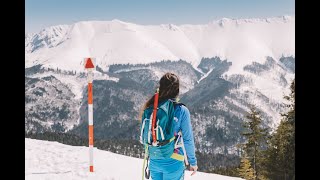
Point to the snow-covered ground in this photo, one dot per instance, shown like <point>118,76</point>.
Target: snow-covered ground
<point>46,160</point>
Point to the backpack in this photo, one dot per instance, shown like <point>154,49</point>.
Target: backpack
<point>164,130</point>
<point>165,137</point>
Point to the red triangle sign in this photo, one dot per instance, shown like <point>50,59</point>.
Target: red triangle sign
<point>89,63</point>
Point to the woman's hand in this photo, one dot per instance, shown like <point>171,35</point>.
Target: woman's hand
<point>194,169</point>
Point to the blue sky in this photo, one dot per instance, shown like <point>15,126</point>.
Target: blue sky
<point>43,13</point>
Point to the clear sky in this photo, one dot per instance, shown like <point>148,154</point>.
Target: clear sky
<point>44,13</point>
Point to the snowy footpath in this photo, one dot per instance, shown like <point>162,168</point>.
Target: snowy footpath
<point>46,160</point>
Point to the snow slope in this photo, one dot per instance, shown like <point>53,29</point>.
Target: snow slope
<point>241,41</point>
<point>52,160</point>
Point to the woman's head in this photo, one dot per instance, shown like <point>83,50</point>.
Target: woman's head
<point>169,86</point>
<point>168,89</point>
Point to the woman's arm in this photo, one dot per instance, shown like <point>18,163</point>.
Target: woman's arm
<point>187,135</point>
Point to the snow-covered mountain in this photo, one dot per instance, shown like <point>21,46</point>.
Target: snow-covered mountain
<point>224,66</point>
<point>52,160</point>
<point>241,41</point>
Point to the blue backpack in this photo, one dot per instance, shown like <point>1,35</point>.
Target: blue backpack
<point>164,130</point>
<point>166,139</point>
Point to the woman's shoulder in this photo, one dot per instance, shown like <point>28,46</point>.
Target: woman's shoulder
<point>182,113</point>
<point>182,108</point>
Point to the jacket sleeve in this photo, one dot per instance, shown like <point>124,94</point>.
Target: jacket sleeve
<point>187,135</point>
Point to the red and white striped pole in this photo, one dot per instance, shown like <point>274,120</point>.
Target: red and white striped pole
<point>89,66</point>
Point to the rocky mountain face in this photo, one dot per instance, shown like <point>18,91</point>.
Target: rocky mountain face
<point>56,100</point>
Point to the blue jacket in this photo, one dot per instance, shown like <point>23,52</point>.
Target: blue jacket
<point>171,168</point>
<point>183,122</point>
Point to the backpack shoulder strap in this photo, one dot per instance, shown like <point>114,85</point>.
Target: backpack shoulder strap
<point>177,103</point>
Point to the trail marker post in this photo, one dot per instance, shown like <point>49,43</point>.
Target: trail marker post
<point>89,67</point>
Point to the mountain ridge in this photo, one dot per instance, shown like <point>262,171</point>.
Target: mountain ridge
<point>239,40</point>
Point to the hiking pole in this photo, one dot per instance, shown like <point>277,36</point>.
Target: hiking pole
<point>89,66</point>
<point>144,160</point>
<point>184,151</point>
<point>182,146</point>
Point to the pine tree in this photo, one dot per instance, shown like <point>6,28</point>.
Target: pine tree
<point>257,137</point>
<point>246,171</point>
<point>281,151</point>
